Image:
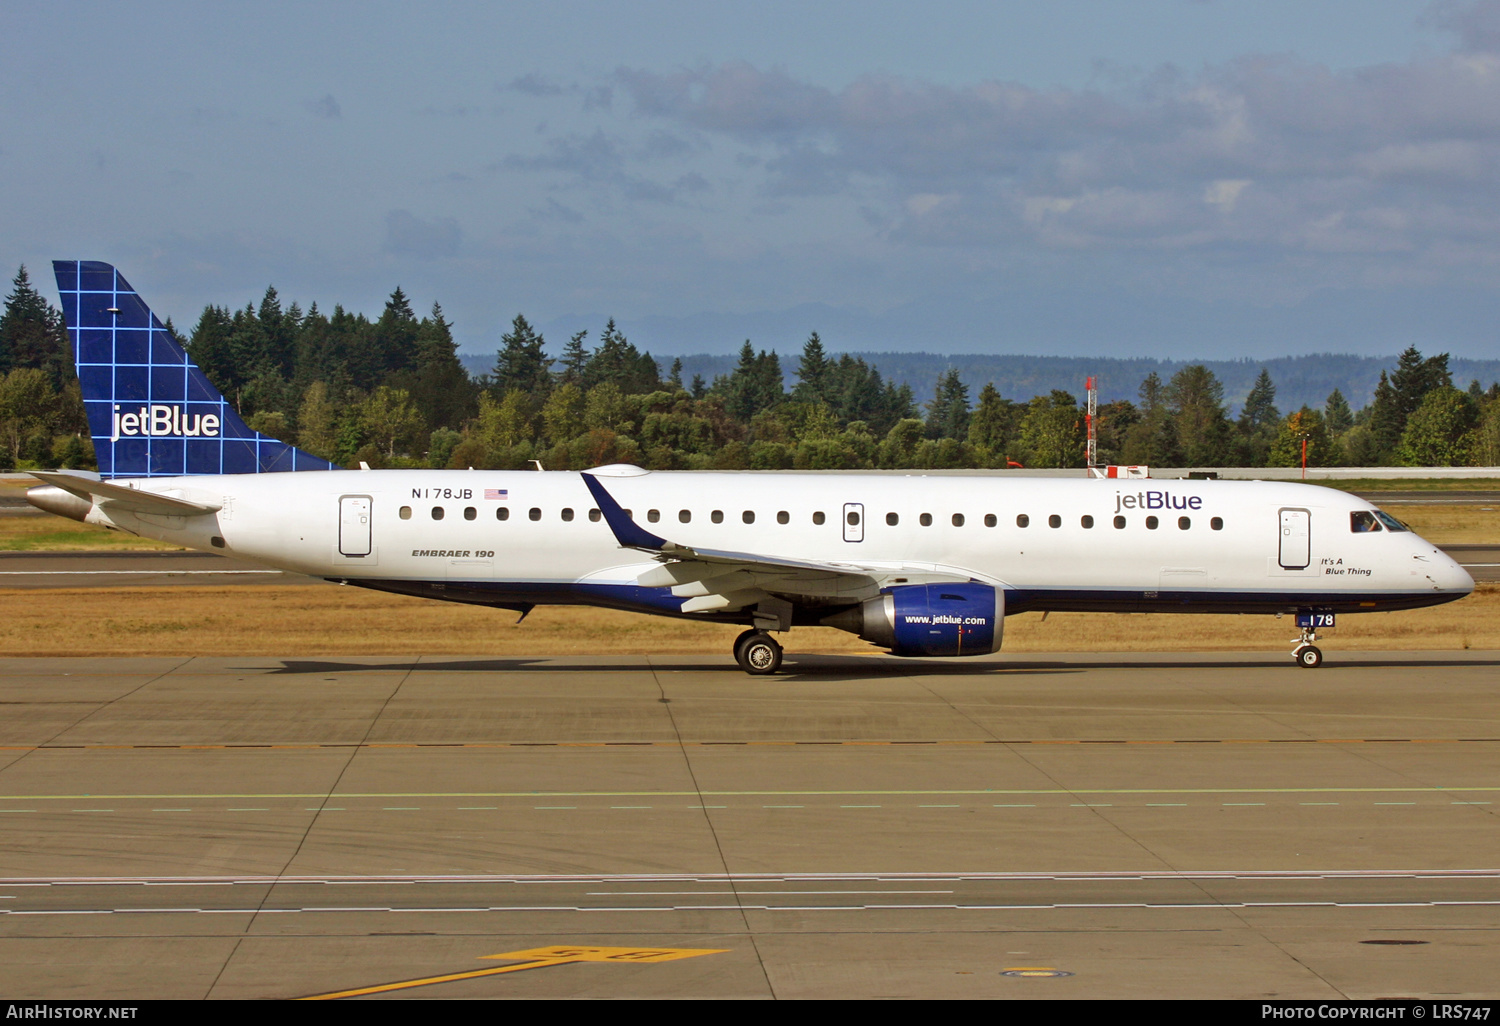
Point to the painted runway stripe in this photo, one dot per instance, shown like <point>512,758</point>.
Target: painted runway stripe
<point>815,808</point>
<point>1002,742</point>
<point>663,795</point>
<point>938,876</point>
<point>1205,906</point>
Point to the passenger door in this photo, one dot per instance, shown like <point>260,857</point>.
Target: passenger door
<point>354,525</point>
<point>1295,552</point>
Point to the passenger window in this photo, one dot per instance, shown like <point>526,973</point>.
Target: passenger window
<point>567,514</point>
<point>892,519</point>
<point>783,517</point>
<point>819,518</point>
<point>1217,523</point>
<point>1151,523</point>
<point>470,512</point>
<point>925,519</point>
<point>1054,521</point>
<point>437,512</point>
<point>1119,523</point>
<point>1086,520</point>
<point>684,516</point>
<point>853,518</point>
<point>989,520</point>
<point>1361,522</point>
<point>717,516</point>
<point>653,515</point>
<point>748,516</point>
<point>1183,523</point>
<point>502,513</point>
<point>1022,520</point>
<point>534,513</point>
<point>595,516</point>
<point>958,520</point>
<point>405,512</point>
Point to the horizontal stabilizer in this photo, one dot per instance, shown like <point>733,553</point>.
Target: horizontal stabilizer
<point>123,497</point>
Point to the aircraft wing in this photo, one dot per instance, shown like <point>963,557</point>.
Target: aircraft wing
<point>117,496</point>
<point>717,579</point>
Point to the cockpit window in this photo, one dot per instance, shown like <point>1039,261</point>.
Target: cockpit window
<point>1390,522</point>
<point>1363,521</point>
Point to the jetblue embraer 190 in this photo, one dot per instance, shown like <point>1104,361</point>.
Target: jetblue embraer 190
<point>922,566</point>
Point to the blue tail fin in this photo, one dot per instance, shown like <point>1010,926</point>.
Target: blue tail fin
<point>151,411</point>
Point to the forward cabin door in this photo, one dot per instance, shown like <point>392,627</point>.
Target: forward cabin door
<point>854,521</point>
<point>354,525</point>
<point>1296,539</point>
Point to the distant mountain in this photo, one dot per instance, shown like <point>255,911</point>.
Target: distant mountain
<point>1299,379</point>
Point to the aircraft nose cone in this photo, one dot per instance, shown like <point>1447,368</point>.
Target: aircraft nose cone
<point>1449,576</point>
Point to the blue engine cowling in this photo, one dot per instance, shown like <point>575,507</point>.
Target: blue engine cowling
<point>931,619</point>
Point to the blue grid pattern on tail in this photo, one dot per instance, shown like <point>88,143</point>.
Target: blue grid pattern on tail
<point>151,411</point>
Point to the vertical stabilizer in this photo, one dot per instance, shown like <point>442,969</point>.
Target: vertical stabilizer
<point>151,411</point>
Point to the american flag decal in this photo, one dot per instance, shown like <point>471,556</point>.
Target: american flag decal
<point>496,493</point>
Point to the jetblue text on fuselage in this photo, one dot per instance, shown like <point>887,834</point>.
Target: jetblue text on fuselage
<point>163,420</point>
<point>1156,500</point>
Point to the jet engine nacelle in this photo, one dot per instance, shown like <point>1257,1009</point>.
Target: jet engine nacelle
<point>930,619</point>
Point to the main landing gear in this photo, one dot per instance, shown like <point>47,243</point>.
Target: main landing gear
<point>757,653</point>
<point>1305,653</point>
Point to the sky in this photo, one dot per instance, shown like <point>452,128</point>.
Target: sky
<point>1171,178</point>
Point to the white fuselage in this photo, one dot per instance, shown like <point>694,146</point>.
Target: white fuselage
<point>513,537</point>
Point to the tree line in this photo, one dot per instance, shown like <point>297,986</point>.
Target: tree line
<point>391,392</point>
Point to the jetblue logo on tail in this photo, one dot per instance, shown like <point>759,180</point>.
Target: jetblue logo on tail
<point>152,412</point>
<point>158,421</point>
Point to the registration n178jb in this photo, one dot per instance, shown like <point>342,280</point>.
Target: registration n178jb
<point>922,566</point>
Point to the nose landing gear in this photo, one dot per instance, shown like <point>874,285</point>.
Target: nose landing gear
<point>1306,654</point>
<point>757,653</point>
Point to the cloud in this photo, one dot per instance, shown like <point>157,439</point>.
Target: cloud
<point>406,234</point>
<point>1267,155</point>
<point>325,107</point>
<point>601,160</point>
<point>533,84</point>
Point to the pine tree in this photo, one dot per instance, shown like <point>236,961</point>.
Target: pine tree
<point>394,341</point>
<point>992,427</point>
<point>755,384</point>
<point>522,363</point>
<point>1336,413</point>
<point>812,373</point>
<point>32,333</point>
<point>574,359</point>
<point>1196,399</point>
<point>948,413</point>
<point>1259,411</point>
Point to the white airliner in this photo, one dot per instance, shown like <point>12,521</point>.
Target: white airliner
<point>922,566</point>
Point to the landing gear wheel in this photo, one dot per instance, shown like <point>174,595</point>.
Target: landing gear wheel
<point>757,653</point>
<point>1309,657</point>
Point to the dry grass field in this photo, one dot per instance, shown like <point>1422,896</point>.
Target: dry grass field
<point>327,620</point>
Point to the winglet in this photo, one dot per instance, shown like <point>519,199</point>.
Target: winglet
<point>628,533</point>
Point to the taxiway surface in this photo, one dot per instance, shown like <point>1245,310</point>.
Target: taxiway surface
<point>1025,826</point>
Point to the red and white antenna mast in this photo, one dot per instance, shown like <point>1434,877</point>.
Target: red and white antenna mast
<point>1091,420</point>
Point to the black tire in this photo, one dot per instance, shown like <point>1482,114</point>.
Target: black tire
<point>1309,657</point>
<point>757,653</point>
